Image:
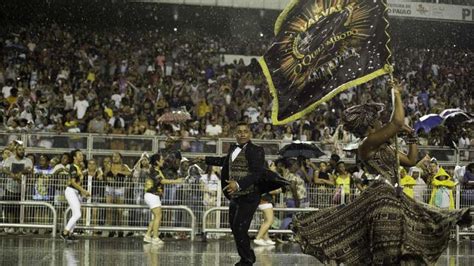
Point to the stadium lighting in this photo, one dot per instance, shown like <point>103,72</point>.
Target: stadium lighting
<point>175,29</point>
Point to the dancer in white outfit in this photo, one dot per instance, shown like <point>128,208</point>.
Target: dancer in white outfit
<point>73,194</point>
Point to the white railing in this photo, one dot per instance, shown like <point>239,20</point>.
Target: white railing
<point>96,145</point>
<point>190,228</point>
<point>205,229</point>
<point>51,226</point>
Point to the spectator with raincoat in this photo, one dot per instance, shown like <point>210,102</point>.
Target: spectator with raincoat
<point>442,194</point>
<point>407,182</point>
<point>420,187</point>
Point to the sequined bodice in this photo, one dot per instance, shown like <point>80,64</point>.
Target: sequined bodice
<point>383,163</point>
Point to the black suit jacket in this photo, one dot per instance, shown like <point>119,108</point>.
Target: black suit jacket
<point>256,160</point>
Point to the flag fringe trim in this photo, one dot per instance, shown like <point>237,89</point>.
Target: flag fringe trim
<point>283,15</point>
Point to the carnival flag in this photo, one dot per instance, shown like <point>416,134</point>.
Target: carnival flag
<point>321,48</point>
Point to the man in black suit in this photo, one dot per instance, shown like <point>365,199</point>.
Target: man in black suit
<point>241,169</point>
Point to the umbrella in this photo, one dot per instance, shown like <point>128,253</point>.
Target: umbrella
<point>447,112</point>
<point>271,181</point>
<point>458,118</point>
<point>175,117</point>
<point>428,122</point>
<point>301,149</point>
<point>352,146</point>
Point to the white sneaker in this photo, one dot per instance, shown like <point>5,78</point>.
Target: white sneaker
<point>157,241</point>
<point>270,242</point>
<point>147,239</point>
<point>260,242</point>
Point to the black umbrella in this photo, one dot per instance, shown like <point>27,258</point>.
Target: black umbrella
<point>271,181</point>
<point>301,149</point>
<point>458,118</point>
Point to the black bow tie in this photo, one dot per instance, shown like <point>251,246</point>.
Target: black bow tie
<point>240,145</point>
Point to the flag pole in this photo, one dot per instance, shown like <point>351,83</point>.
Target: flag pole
<point>397,170</point>
<point>390,67</point>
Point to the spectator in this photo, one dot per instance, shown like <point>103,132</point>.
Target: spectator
<point>288,135</point>
<point>210,183</point>
<point>442,194</point>
<point>68,98</point>
<point>117,121</point>
<point>116,177</point>
<point>95,177</point>
<point>62,167</point>
<point>267,132</point>
<point>141,171</point>
<point>295,196</point>
<point>213,130</point>
<point>98,124</point>
<point>43,170</point>
<point>71,124</point>
<point>305,171</point>
<point>80,106</point>
<point>407,182</point>
<point>203,108</point>
<point>343,181</point>
<point>15,167</point>
<point>420,187</point>
<point>333,163</point>
<point>6,90</point>
<point>42,191</point>
<point>324,184</point>
<point>6,153</point>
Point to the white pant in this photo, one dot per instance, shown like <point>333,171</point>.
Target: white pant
<point>74,200</point>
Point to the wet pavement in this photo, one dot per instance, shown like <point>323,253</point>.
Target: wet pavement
<point>35,250</point>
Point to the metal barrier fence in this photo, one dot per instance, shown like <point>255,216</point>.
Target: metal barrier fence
<point>254,226</point>
<point>138,225</point>
<point>36,222</point>
<point>131,147</point>
<point>103,210</point>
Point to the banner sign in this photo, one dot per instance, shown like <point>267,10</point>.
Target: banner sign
<point>397,8</point>
<point>430,11</point>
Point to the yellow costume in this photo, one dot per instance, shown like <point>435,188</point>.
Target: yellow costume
<point>408,182</point>
<point>446,184</point>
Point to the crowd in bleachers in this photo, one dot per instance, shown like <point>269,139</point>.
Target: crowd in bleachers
<point>56,78</point>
